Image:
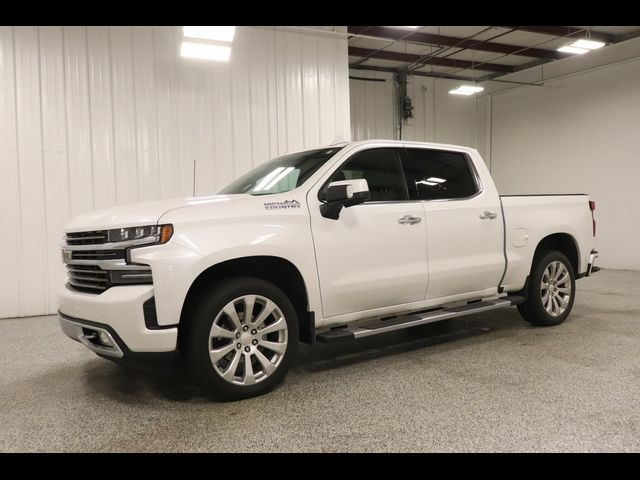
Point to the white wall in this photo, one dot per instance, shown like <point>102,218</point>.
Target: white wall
<point>93,117</point>
<point>438,116</point>
<point>578,134</point>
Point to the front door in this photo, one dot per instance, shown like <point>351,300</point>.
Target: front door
<point>372,256</point>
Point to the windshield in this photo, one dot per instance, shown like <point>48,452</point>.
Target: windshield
<point>282,173</point>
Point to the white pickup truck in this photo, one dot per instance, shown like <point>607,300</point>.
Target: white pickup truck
<point>326,245</point>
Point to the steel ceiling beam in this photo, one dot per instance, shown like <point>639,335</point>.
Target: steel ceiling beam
<point>418,73</point>
<point>441,62</point>
<point>469,44</point>
<point>559,31</point>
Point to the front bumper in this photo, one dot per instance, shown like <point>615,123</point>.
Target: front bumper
<point>118,312</point>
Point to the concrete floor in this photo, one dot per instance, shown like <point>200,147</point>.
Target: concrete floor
<point>488,382</point>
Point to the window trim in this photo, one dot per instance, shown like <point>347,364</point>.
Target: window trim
<point>399,152</point>
<point>472,168</point>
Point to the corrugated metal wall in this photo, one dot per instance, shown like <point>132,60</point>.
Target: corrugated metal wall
<point>93,117</point>
<point>438,116</point>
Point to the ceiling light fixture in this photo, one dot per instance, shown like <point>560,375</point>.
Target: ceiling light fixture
<point>216,33</point>
<point>580,47</point>
<point>205,51</point>
<point>466,90</point>
<point>588,44</point>
<point>574,50</point>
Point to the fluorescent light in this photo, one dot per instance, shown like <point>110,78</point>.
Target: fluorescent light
<point>218,33</point>
<point>570,49</point>
<point>262,183</point>
<point>205,51</point>
<point>436,179</point>
<point>283,174</point>
<point>466,90</point>
<point>397,26</point>
<point>410,27</point>
<point>588,44</point>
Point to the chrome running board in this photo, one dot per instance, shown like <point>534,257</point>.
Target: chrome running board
<point>413,320</point>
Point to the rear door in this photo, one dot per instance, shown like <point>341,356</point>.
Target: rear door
<point>464,222</point>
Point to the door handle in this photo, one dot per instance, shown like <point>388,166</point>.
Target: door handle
<point>487,214</point>
<point>409,219</point>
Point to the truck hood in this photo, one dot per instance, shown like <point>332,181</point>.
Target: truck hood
<point>138,214</point>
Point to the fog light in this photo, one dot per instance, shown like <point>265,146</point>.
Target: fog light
<point>105,339</point>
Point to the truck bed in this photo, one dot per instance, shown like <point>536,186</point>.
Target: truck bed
<point>530,218</point>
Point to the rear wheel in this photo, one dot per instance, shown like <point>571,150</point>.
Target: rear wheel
<point>241,339</point>
<point>551,290</point>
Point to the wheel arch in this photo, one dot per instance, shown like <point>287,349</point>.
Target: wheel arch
<point>276,270</point>
<point>562,242</point>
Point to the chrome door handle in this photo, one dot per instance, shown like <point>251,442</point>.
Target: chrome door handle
<point>409,219</point>
<point>487,214</point>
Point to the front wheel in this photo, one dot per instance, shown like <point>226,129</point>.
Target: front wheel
<point>241,338</point>
<point>551,290</point>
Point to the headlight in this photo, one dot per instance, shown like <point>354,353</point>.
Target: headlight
<point>151,233</point>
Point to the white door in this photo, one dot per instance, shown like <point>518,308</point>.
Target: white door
<point>367,258</point>
<point>464,222</point>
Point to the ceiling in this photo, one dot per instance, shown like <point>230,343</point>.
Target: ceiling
<point>477,53</point>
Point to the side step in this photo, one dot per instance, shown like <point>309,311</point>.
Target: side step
<point>412,320</point>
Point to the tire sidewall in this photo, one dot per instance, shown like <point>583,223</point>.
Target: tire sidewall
<point>535,292</point>
<point>197,344</point>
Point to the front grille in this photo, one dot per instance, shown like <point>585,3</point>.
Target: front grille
<point>88,277</point>
<point>94,269</point>
<point>95,237</point>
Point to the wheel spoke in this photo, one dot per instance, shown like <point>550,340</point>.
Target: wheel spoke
<point>556,307</point>
<point>276,326</point>
<point>268,308</point>
<point>232,313</point>
<point>561,301</point>
<point>267,366</point>
<point>230,372</point>
<point>218,332</point>
<point>249,302</point>
<point>545,297</point>
<point>563,279</point>
<point>565,290</point>
<point>249,376</point>
<point>275,346</point>
<point>547,305</point>
<point>560,270</point>
<point>217,353</point>
<point>552,270</point>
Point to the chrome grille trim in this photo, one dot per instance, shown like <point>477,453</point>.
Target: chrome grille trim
<point>88,276</point>
<point>95,237</point>
<point>97,254</point>
<point>112,245</point>
<point>109,264</point>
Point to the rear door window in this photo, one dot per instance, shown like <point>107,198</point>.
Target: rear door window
<point>438,174</point>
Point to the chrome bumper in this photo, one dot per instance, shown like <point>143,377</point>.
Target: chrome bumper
<point>88,335</point>
<point>591,268</point>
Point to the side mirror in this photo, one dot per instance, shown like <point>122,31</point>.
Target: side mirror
<point>345,193</point>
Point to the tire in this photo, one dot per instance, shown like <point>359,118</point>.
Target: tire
<point>212,331</point>
<point>540,308</point>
